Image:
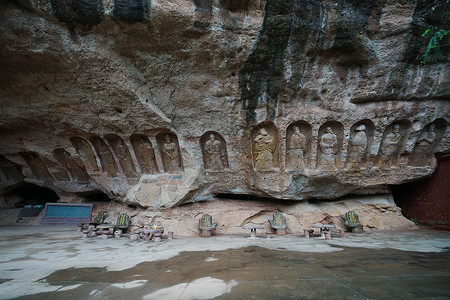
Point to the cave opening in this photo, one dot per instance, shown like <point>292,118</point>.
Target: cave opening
<point>28,194</point>
<point>97,196</point>
<point>426,201</point>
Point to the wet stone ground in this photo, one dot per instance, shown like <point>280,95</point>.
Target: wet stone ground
<point>267,270</point>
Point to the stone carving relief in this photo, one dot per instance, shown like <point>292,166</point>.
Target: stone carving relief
<point>265,147</point>
<point>123,154</point>
<point>428,139</point>
<point>145,154</point>
<point>391,143</point>
<point>85,151</point>
<point>105,155</point>
<point>330,145</point>
<point>37,166</point>
<point>11,171</point>
<point>361,137</point>
<point>75,170</point>
<point>170,152</point>
<point>298,144</point>
<point>214,151</point>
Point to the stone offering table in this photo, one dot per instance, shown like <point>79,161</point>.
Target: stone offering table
<point>107,229</point>
<point>148,233</point>
<point>324,228</point>
<point>253,229</point>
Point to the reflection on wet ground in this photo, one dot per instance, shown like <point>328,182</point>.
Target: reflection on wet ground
<point>56,263</point>
<point>258,273</point>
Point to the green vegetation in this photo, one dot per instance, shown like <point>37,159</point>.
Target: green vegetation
<point>433,51</point>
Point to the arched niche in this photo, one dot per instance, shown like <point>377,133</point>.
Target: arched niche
<point>105,155</point>
<point>359,144</point>
<point>392,143</point>
<point>122,152</point>
<point>214,151</point>
<point>298,146</point>
<point>329,145</point>
<point>37,166</point>
<point>145,153</point>
<point>76,171</point>
<point>85,151</point>
<point>429,137</point>
<point>170,151</point>
<point>11,171</point>
<point>265,150</point>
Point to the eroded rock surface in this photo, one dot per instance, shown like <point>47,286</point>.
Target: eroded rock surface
<point>158,103</point>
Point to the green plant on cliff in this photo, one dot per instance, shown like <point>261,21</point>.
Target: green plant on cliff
<point>433,51</point>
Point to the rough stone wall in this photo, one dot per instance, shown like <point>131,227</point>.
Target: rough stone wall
<point>158,103</point>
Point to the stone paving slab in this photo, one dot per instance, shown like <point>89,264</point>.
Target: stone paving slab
<point>55,263</point>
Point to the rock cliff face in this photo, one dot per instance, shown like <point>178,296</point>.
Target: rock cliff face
<point>157,103</point>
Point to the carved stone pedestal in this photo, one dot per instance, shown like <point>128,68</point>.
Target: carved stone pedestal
<point>205,232</point>
<point>280,231</point>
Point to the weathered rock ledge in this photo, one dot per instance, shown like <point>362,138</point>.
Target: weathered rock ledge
<point>161,103</point>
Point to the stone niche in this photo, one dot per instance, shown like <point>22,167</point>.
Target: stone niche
<point>10,171</point>
<point>265,151</point>
<point>392,144</point>
<point>329,146</point>
<point>85,151</point>
<point>359,144</point>
<point>74,167</point>
<point>298,146</point>
<point>37,167</point>
<point>145,153</point>
<point>170,152</point>
<point>214,151</point>
<point>428,139</point>
<point>122,153</point>
<point>104,153</point>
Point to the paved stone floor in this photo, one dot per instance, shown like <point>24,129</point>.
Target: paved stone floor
<point>55,263</point>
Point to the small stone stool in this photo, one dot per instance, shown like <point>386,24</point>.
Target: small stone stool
<point>157,236</point>
<point>341,233</point>
<point>105,233</point>
<point>308,233</point>
<point>134,237</point>
<point>85,233</point>
<point>170,235</point>
<point>93,231</point>
<point>118,233</point>
<point>327,235</point>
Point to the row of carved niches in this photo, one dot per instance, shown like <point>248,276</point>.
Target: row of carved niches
<point>214,151</point>
<point>112,155</point>
<point>330,145</point>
